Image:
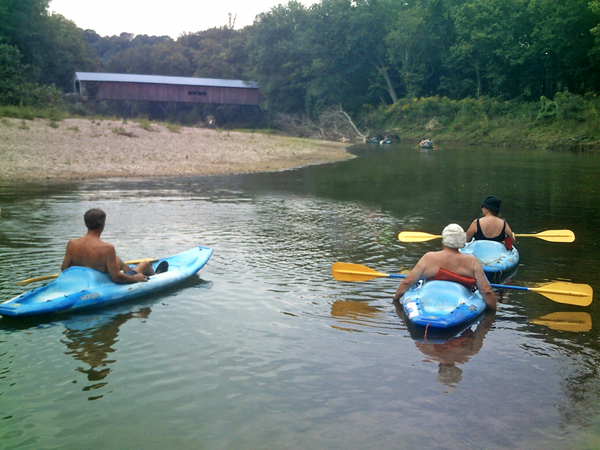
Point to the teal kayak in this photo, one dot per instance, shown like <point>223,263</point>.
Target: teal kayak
<point>79,288</point>
<point>493,256</point>
<point>441,304</point>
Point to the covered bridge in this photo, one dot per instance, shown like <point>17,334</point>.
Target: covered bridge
<point>114,86</point>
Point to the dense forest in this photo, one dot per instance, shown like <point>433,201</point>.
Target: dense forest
<point>379,61</point>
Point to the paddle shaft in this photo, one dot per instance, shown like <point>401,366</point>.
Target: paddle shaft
<point>548,235</point>
<point>516,288</point>
<point>393,275</point>
<point>561,292</point>
<point>49,277</point>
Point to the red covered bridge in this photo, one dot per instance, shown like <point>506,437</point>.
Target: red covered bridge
<point>114,86</point>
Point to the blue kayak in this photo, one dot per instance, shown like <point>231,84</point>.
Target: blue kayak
<point>79,288</point>
<point>441,304</point>
<point>493,256</point>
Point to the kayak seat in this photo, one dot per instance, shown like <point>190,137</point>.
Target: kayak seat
<point>162,267</point>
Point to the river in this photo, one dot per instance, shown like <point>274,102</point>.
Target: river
<point>266,350</point>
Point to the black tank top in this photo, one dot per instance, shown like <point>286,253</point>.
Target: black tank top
<point>479,236</point>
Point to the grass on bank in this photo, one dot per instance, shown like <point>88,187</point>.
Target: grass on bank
<point>567,121</point>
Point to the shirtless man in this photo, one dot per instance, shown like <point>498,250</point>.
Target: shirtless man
<point>449,258</point>
<point>90,251</point>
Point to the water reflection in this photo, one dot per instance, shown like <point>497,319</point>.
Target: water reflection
<point>449,351</point>
<point>91,341</point>
<point>575,322</point>
<point>355,312</point>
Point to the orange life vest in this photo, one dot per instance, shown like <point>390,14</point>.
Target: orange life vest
<point>446,275</point>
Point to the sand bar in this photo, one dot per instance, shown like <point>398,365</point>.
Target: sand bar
<point>88,149</point>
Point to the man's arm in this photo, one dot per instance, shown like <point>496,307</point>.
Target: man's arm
<point>483,285</point>
<point>67,261</point>
<point>409,281</point>
<point>124,267</point>
<point>114,266</point>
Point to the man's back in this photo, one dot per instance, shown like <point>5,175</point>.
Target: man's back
<point>454,261</point>
<point>88,251</point>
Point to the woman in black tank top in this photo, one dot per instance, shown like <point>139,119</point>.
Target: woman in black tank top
<point>490,208</point>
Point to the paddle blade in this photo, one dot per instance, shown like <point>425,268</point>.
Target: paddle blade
<point>353,272</point>
<point>566,321</point>
<point>552,235</point>
<point>416,236</point>
<point>569,293</point>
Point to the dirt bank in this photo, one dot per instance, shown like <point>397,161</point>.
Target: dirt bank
<point>85,149</point>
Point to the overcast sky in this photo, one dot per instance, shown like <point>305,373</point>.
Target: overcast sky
<point>160,17</point>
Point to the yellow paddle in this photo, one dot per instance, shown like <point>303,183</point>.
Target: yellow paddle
<point>49,277</point>
<point>559,291</point>
<point>548,235</point>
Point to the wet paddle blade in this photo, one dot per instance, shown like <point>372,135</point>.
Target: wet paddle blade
<point>353,272</point>
<point>566,321</point>
<point>416,236</point>
<point>552,235</point>
<point>569,293</point>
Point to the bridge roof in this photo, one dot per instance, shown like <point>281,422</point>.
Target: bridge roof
<point>159,79</point>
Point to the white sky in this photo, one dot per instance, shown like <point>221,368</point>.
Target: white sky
<point>160,17</point>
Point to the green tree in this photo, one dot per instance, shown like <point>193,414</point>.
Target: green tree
<point>560,46</point>
<point>595,51</point>
<point>415,44</point>
<point>22,25</point>
<point>217,52</point>
<point>483,32</point>
<point>279,58</point>
<point>172,59</point>
<point>64,53</point>
<point>12,74</point>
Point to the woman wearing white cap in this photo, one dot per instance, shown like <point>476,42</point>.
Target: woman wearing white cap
<point>450,265</point>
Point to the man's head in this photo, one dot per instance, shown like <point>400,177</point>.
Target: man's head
<point>453,236</point>
<point>94,219</point>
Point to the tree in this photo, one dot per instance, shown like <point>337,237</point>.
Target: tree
<point>562,41</point>
<point>217,52</point>
<point>64,52</point>
<point>595,51</point>
<point>484,33</point>
<point>370,24</point>
<point>279,59</point>
<point>22,26</point>
<point>414,45</point>
<point>12,74</point>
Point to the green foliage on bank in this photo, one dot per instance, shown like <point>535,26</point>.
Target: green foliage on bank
<point>567,121</point>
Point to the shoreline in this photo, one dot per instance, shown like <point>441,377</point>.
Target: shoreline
<point>86,149</point>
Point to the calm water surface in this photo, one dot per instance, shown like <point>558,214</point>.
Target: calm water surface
<point>265,350</point>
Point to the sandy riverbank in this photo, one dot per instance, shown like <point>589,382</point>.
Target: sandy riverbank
<point>86,149</point>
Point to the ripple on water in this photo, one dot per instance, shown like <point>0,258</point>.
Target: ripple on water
<point>264,348</point>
